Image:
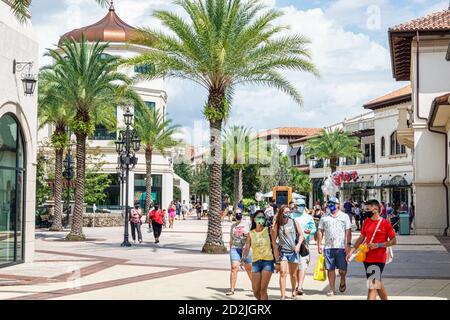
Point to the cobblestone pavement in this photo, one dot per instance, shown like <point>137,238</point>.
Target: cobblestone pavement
<point>176,269</point>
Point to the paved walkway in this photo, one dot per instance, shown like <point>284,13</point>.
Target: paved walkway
<point>176,269</point>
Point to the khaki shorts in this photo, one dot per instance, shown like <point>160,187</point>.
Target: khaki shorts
<point>304,263</point>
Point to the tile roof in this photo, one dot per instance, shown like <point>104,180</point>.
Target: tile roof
<point>290,131</point>
<point>390,99</point>
<point>434,21</point>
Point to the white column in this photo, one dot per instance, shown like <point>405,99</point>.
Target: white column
<point>166,189</point>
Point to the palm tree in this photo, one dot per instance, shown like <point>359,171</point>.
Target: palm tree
<point>53,111</point>
<point>222,44</point>
<point>20,8</point>
<point>332,146</point>
<point>156,134</point>
<point>240,150</point>
<point>87,80</point>
<point>299,181</point>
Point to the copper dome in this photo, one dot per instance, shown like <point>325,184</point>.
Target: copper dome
<point>109,29</point>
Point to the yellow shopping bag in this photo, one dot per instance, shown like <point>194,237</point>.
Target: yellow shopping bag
<point>320,274</point>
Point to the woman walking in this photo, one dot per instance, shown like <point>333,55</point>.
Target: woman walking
<point>135,222</point>
<point>238,238</point>
<point>172,213</point>
<point>290,237</point>
<point>259,240</point>
<point>157,218</point>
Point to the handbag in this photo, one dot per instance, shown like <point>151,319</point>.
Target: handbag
<point>304,250</point>
<point>320,274</point>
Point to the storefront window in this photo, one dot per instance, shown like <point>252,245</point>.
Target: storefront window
<point>12,177</point>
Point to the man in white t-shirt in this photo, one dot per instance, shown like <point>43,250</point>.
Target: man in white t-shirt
<point>205,209</point>
<point>336,227</point>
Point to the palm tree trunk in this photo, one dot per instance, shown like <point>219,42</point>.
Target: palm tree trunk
<point>148,182</point>
<point>333,164</point>
<point>76,232</point>
<point>214,241</point>
<point>57,191</point>
<point>237,186</point>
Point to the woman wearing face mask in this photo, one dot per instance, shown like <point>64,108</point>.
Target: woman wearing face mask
<point>259,240</point>
<point>135,222</point>
<point>238,238</point>
<point>290,236</point>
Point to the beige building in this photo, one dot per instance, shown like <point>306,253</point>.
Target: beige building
<point>18,127</point>
<point>420,55</point>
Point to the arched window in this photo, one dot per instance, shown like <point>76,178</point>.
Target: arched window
<point>396,148</point>
<point>383,146</point>
<point>12,177</point>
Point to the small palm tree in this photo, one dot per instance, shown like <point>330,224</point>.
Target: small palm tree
<point>240,150</point>
<point>222,44</point>
<point>87,80</point>
<point>156,134</point>
<point>20,8</point>
<point>53,111</point>
<point>299,181</point>
<point>332,146</point>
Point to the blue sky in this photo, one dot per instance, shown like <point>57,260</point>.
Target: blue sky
<point>349,46</point>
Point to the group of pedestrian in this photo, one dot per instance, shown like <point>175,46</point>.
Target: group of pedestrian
<point>277,240</point>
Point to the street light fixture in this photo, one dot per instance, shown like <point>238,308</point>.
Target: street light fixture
<point>69,165</point>
<point>127,144</point>
<point>29,80</point>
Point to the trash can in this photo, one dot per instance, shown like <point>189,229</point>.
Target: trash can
<point>404,223</point>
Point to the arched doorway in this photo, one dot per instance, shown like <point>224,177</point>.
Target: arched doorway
<point>12,177</point>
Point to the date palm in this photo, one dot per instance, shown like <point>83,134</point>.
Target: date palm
<point>20,8</point>
<point>222,44</point>
<point>156,134</point>
<point>332,146</point>
<point>53,111</point>
<point>87,80</point>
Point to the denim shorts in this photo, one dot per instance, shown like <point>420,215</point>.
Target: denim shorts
<point>236,256</point>
<point>263,265</point>
<point>335,259</point>
<point>290,257</point>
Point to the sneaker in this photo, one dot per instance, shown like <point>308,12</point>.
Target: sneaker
<point>300,292</point>
<point>330,293</point>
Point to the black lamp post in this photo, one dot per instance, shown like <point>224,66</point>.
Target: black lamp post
<point>29,80</point>
<point>126,145</point>
<point>69,165</point>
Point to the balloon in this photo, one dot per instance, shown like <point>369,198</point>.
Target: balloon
<point>258,196</point>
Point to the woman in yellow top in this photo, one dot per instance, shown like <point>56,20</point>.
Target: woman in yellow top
<point>259,239</point>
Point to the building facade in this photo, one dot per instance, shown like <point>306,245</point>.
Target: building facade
<point>385,170</point>
<point>420,55</point>
<point>18,145</point>
<point>115,31</point>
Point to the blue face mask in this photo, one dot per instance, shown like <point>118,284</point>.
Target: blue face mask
<point>301,209</point>
<point>332,207</point>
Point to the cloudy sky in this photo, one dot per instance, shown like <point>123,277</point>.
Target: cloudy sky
<point>349,46</point>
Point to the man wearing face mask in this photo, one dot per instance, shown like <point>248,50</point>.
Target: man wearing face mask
<point>336,227</point>
<point>379,235</point>
<point>308,226</point>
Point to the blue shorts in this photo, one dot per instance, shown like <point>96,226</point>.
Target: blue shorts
<point>263,265</point>
<point>335,259</point>
<point>236,255</point>
<point>290,257</point>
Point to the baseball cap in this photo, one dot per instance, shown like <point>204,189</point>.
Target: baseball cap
<point>334,200</point>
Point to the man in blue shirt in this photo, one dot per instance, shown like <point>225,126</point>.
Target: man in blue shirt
<point>308,226</point>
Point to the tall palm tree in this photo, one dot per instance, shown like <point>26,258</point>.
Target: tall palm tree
<point>53,111</point>
<point>332,146</point>
<point>156,134</point>
<point>240,150</point>
<point>222,44</point>
<point>20,8</point>
<point>87,80</point>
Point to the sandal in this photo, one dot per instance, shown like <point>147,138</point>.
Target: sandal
<point>342,287</point>
<point>230,293</point>
<point>330,293</point>
<point>300,292</point>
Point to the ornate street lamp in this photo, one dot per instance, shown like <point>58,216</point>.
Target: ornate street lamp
<point>29,80</point>
<point>127,144</point>
<point>68,173</point>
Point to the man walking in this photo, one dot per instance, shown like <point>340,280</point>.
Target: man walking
<point>184,209</point>
<point>336,227</point>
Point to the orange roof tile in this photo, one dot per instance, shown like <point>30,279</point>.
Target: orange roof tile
<point>290,131</point>
<point>390,99</point>
<point>435,21</point>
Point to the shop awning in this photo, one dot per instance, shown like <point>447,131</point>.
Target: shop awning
<point>395,182</point>
<point>295,151</point>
